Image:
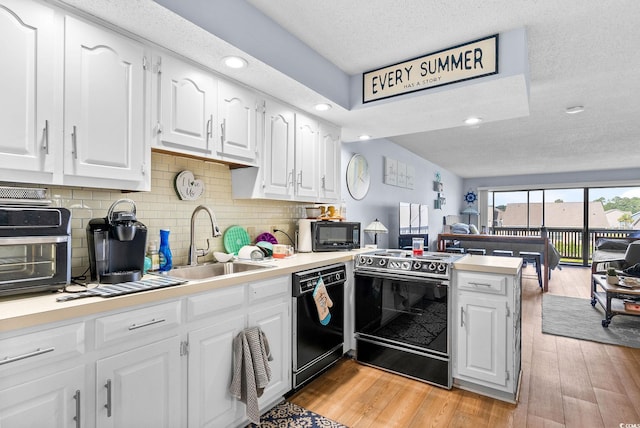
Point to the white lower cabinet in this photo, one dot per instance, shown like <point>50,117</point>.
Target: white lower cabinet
<point>275,322</point>
<point>54,401</point>
<point>265,304</point>
<point>209,376</point>
<point>156,365</point>
<point>486,333</point>
<point>140,387</point>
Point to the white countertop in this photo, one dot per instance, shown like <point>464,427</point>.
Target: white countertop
<point>26,310</point>
<point>489,264</point>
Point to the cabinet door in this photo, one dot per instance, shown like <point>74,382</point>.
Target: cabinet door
<point>279,145</point>
<point>275,322</point>
<point>329,163</point>
<point>27,117</point>
<point>187,107</point>
<point>210,371</point>
<point>482,338</point>
<point>140,388</point>
<point>239,124</point>
<point>54,401</point>
<point>306,153</point>
<point>103,104</point>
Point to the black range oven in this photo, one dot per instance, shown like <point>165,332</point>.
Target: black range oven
<point>402,313</point>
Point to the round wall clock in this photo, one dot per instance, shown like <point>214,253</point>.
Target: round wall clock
<point>358,178</point>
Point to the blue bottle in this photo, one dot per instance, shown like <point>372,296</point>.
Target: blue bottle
<point>166,259</point>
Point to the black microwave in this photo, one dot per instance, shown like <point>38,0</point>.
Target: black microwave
<point>335,235</point>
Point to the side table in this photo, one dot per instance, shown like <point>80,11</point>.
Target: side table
<point>611,297</point>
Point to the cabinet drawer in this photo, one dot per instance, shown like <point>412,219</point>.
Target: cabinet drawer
<point>215,302</point>
<point>42,347</point>
<point>269,288</point>
<point>137,323</point>
<point>483,283</point>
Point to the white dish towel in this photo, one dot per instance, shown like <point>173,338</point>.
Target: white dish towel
<point>251,371</point>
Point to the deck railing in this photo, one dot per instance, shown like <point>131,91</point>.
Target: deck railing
<point>568,241</point>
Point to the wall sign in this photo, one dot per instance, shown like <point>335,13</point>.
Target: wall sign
<point>471,60</point>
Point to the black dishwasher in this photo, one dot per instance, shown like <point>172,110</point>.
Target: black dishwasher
<point>317,346</point>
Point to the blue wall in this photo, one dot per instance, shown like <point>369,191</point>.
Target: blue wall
<point>382,201</point>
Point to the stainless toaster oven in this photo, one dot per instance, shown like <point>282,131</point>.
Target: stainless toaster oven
<point>35,249</point>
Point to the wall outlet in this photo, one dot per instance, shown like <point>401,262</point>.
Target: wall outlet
<point>273,229</point>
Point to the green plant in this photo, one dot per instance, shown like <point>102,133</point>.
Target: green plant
<point>611,272</point>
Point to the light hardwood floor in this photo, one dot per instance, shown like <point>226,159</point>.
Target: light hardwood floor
<point>565,382</point>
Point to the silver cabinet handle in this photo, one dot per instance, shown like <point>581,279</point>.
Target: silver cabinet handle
<point>323,182</point>
<point>45,132</point>
<point>76,418</point>
<point>145,324</point>
<point>299,181</point>
<point>482,284</point>
<point>74,143</point>
<point>108,405</point>
<point>209,130</point>
<point>35,353</point>
<point>290,178</point>
<point>223,133</point>
<point>461,316</point>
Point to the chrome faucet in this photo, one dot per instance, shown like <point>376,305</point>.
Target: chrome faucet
<point>194,252</point>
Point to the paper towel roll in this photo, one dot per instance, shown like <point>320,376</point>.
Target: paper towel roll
<point>304,236</point>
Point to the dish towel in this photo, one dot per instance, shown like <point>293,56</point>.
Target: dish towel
<point>323,302</point>
<point>251,371</point>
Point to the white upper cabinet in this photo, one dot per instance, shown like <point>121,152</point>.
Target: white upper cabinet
<point>104,108</point>
<point>240,123</point>
<point>185,107</point>
<point>307,161</point>
<point>28,120</point>
<point>329,163</point>
<point>279,144</point>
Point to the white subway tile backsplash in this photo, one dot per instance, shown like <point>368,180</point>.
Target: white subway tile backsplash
<point>161,208</point>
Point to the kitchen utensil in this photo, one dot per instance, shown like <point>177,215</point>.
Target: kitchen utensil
<point>222,257</point>
<point>250,252</point>
<point>267,237</point>
<point>235,238</point>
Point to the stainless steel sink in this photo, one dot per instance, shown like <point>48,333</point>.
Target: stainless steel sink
<point>213,269</point>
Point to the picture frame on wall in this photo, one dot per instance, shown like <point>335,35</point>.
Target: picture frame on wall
<point>390,171</point>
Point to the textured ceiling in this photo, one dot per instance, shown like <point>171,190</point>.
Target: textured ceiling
<point>580,53</point>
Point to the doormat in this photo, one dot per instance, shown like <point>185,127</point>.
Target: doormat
<point>289,415</point>
<point>576,318</point>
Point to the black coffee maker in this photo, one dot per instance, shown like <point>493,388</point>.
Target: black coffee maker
<point>116,246</point>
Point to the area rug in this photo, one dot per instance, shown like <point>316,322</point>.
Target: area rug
<point>289,415</point>
<point>576,318</point>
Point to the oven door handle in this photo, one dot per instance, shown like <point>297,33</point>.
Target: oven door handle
<point>19,240</point>
<point>438,281</point>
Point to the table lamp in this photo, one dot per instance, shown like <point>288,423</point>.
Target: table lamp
<point>470,210</point>
<point>376,227</point>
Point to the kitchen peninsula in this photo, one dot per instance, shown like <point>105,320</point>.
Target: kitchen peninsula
<point>516,244</point>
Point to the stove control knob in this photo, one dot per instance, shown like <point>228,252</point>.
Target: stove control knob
<point>369,260</point>
<point>338,276</point>
<point>362,260</point>
<point>417,265</point>
<point>442,267</point>
<point>382,262</point>
<point>432,267</point>
<point>406,265</point>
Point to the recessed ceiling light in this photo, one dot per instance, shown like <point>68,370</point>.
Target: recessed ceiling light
<point>473,120</point>
<point>235,62</point>
<point>323,107</point>
<point>364,137</point>
<point>574,109</point>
